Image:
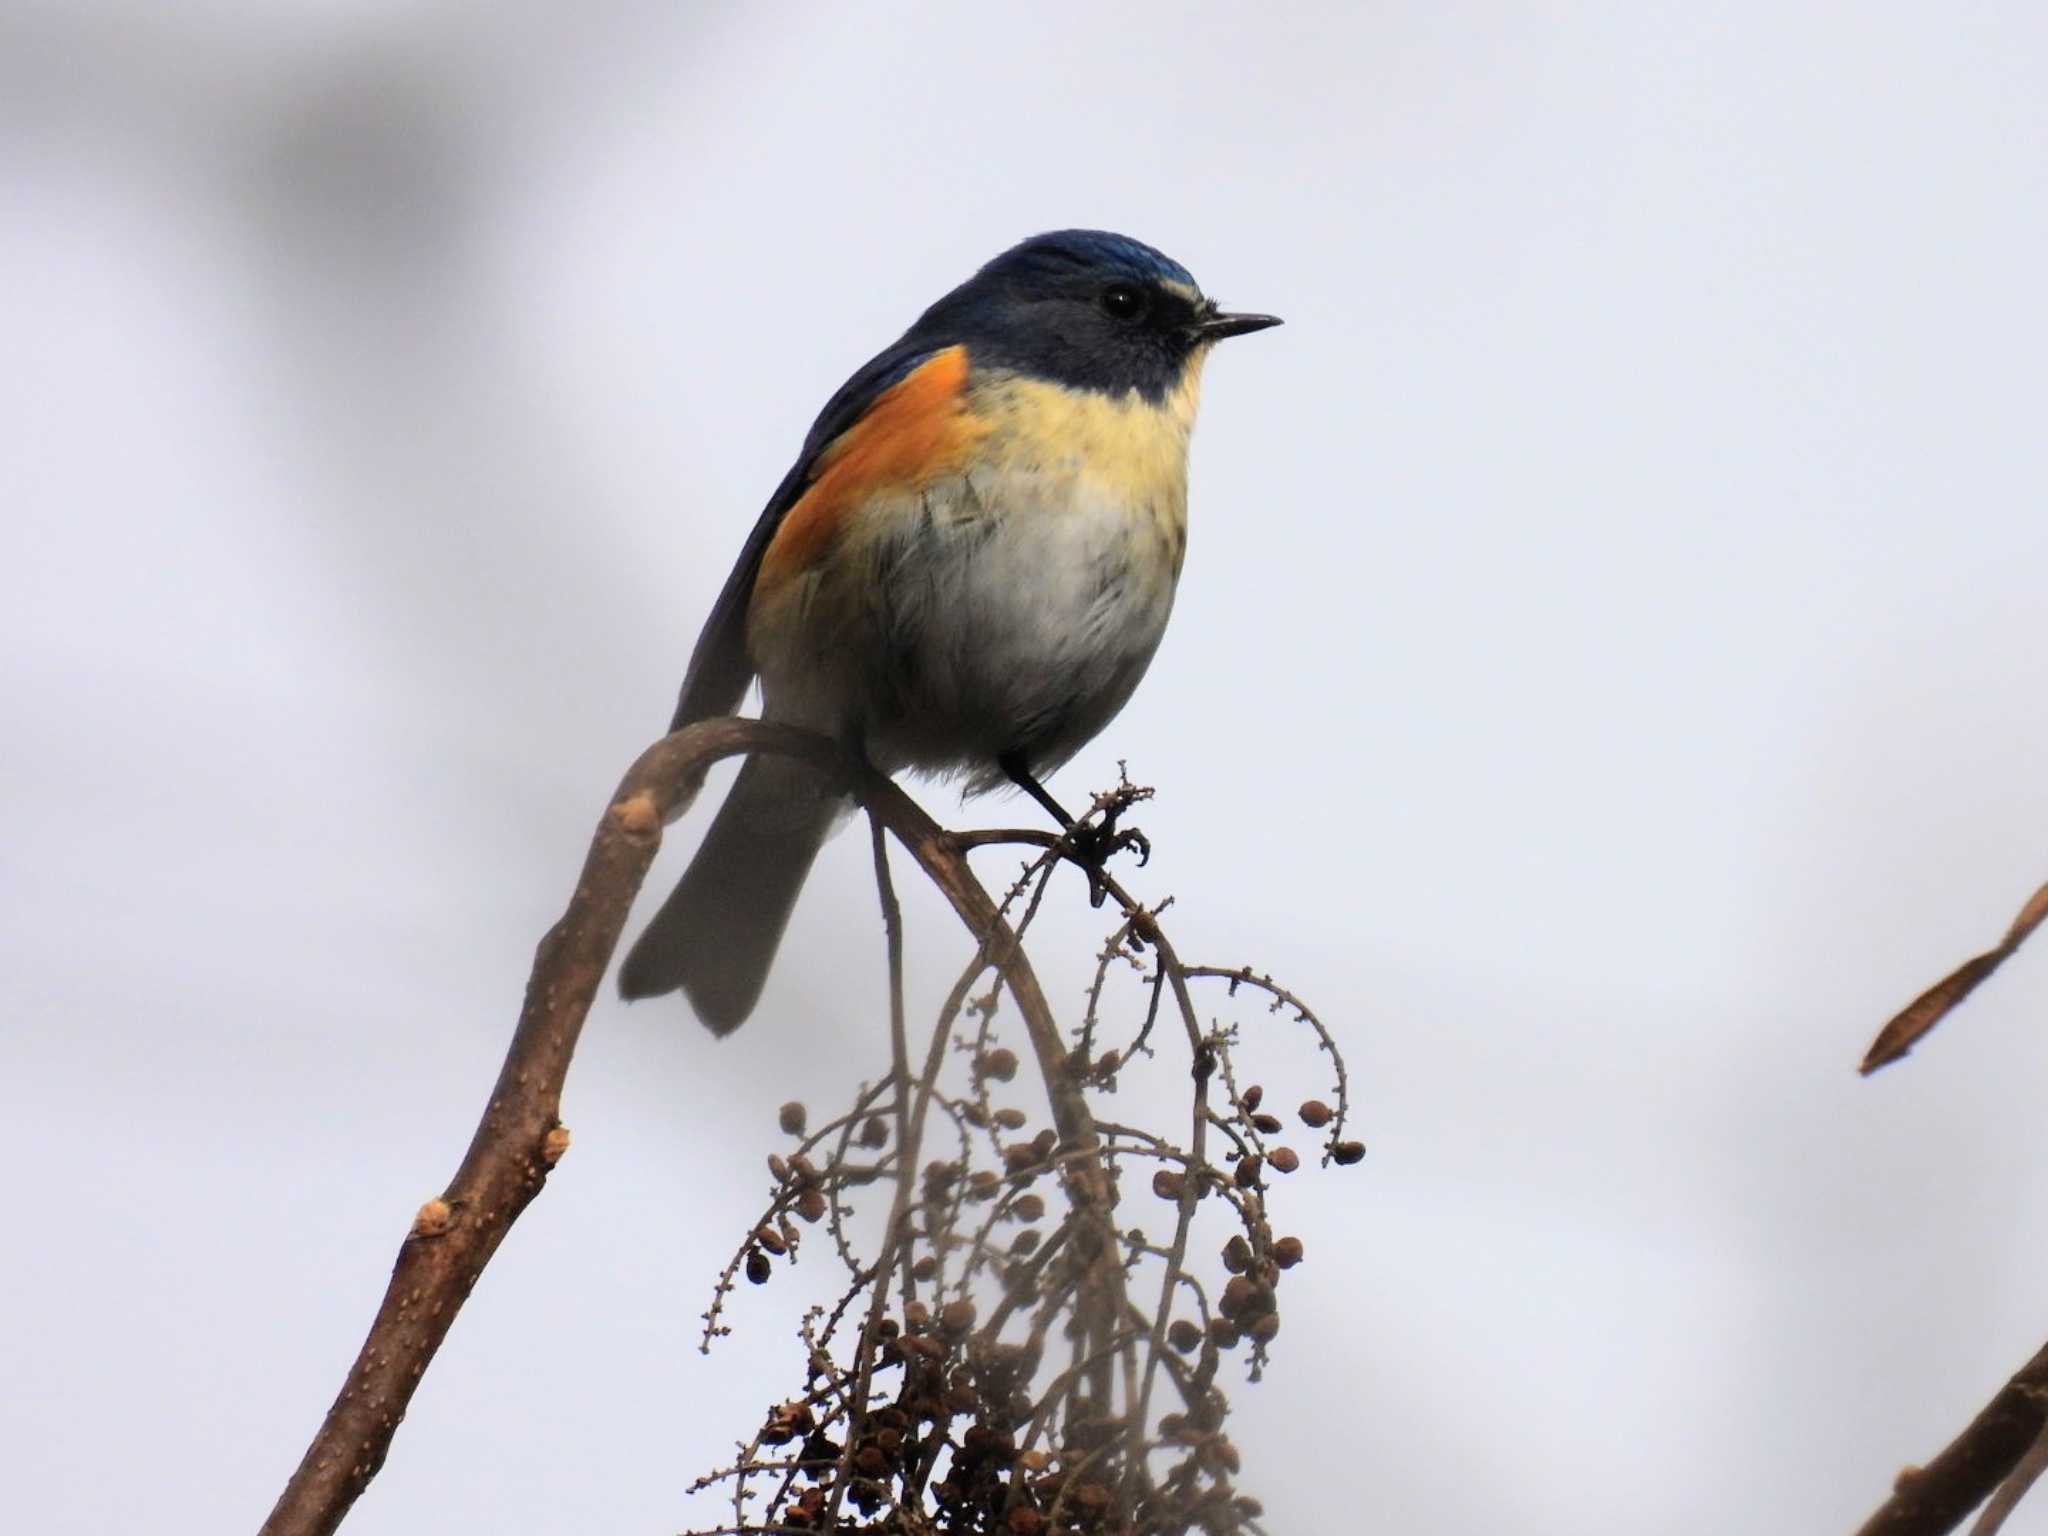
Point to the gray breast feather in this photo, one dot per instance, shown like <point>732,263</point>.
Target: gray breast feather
<point>1001,613</point>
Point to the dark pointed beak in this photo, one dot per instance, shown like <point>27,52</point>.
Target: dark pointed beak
<point>1217,326</point>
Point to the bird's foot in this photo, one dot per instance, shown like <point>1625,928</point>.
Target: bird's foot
<point>1092,844</point>
<point>1093,840</point>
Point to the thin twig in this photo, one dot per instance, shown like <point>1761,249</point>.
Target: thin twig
<point>899,1036</point>
<point>1910,1024</point>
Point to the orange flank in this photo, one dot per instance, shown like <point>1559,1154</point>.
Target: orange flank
<point>916,429</point>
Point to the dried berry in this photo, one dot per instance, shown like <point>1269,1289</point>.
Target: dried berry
<point>1287,1252</point>
<point>811,1206</point>
<point>1348,1152</point>
<point>791,1118</point>
<point>1315,1114</point>
<point>758,1267</point>
<point>787,1422</point>
<point>1010,1119</point>
<point>1237,1255</point>
<point>1168,1184</point>
<point>1266,1125</point>
<point>1249,1100</point>
<point>875,1133</point>
<point>1248,1169</point>
<point>771,1240</point>
<point>1000,1064</point>
<point>1028,1207</point>
<point>1091,1499</point>
<point>1283,1159</point>
<point>956,1317</point>
<point>1184,1336</point>
<point>1236,1297</point>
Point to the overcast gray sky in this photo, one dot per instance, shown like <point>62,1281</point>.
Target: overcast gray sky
<point>1607,680</point>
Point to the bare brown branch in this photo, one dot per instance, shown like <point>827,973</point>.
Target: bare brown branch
<point>520,1135</point>
<point>1906,1028</point>
<point>1089,1438</point>
<point>2006,1498</point>
<point>1931,1500</point>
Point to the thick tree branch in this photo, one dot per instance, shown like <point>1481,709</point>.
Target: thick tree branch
<point>1992,1518</point>
<point>1931,1500</point>
<point>520,1136</point>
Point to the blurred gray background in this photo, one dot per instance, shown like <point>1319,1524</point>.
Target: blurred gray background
<point>1607,680</point>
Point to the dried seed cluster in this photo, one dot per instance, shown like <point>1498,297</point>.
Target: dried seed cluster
<point>1015,1349</point>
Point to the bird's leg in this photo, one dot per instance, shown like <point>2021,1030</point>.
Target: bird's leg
<point>1021,776</point>
<point>1088,844</point>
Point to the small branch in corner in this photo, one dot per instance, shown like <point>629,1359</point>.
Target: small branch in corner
<point>1911,1024</point>
<point>1934,1499</point>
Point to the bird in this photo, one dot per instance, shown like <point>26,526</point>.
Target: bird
<point>965,573</point>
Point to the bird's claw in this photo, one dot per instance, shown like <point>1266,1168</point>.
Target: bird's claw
<point>1092,846</point>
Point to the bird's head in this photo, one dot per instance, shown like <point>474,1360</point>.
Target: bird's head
<point>1086,309</point>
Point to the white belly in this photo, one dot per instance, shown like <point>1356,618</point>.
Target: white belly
<point>986,616</point>
<point>1024,633</point>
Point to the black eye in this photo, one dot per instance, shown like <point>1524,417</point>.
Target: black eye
<point>1122,301</point>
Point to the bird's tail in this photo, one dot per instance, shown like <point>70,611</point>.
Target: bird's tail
<point>716,935</point>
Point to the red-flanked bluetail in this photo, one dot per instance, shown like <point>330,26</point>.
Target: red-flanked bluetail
<point>967,571</point>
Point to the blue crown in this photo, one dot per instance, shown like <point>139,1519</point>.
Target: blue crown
<point>1062,252</point>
